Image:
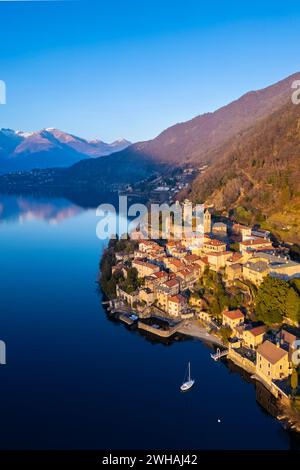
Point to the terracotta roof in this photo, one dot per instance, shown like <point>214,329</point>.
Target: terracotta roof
<point>173,243</point>
<point>271,352</point>
<point>191,258</point>
<point>151,244</point>
<point>177,299</point>
<point>176,262</point>
<point>160,274</point>
<point>215,243</point>
<point>194,267</point>
<point>201,260</point>
<point>146,242</point>
<point>233,314</point>
<point>184,273</point>
<point>236,256</point>
<point>256,241</point>
<point>171,283</point>
<point>219,254</point>
<point>258,330</point>
<point>145,264</point>
<point>288,337</point>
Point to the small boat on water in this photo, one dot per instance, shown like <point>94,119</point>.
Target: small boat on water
<point>189,382</point>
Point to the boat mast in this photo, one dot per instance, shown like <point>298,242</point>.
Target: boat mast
<point>189,372</point>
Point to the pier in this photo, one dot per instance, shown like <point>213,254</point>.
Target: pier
<point>219,354</point>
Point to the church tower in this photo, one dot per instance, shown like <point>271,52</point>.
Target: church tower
<point>207,221</point>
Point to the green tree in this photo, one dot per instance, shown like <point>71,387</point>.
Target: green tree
<point>132,276</point>
<point>295,283</point>
<point>131,283</point>
<point>270,301</point>
<point>234,247</point>
<point>293,305</point>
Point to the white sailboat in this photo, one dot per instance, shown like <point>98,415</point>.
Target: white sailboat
<point>189,383</point>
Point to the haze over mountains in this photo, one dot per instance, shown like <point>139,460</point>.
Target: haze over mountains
<point>49,148</point>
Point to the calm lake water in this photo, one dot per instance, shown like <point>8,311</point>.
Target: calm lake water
<point>74,379</point>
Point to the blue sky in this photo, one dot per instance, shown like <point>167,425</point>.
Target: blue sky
<point>132,68</point>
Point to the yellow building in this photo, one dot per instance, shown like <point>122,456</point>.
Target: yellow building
<point>129,298</point>
<point>255,244</point>
<point>174,264</point>
<point>195,301</point>
<point>162,299</point>
<point>164,291</point>
<point>233,272</point>
<point>260,264</point>
<point>202,263</point>
<point>218,260</point>
<point>232,318</point>
<point>213,246</point>
<point>255,272</point>
<point>219,228</point>
<point>176,305</point>
<point>187,278</point>
<point>272,362</point>
<point>254,337</point>
<point>145,269</point>
<point>190,259</point>
<point>146,295</point>
<point>204,316</point>
<point>150,245</point>
<point>242,230</point>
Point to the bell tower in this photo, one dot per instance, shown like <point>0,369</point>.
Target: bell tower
<point>207,221</point>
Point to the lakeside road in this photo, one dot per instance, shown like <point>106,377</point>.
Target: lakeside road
<point>192,328</point>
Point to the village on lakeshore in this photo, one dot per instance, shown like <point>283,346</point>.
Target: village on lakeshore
<point>235,290</point>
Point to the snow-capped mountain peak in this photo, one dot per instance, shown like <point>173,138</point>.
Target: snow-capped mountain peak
<point>49,147</point>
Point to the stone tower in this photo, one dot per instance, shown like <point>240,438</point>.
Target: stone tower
<point>207,221</point>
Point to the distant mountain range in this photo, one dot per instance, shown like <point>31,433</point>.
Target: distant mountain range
<point>251,146</point>
<point>194,142</point>
<point>49,148</point>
